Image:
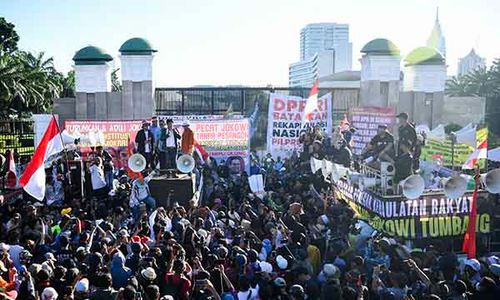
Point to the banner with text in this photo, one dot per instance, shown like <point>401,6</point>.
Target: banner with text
<point>442,151</point>
<point>430,216</point>
<point>285,125</point>
<point>366,120</point>
<point>221,138</point>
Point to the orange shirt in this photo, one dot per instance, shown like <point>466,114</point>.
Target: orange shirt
<point>187,141</point>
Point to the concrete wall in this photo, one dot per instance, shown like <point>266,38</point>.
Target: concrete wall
<point>463,110</point>
<point>379,93</point>
<point>65,109</point>
<point>92,78</point>
<point>425,78</point>
<point>422,108</point>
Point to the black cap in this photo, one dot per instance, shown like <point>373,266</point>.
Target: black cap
<point>170,121</point>
<point>402,115</point>
<point>384,126</point>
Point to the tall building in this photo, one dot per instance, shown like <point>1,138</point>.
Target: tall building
<point>436,39</point>
<point>470,62</point>
<point>303,73</point>
<point>324,36</point>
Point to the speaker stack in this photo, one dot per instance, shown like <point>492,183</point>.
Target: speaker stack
<point>387,172</point>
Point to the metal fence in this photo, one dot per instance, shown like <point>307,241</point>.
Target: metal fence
<point>217,100</point>
<point>17,136</point>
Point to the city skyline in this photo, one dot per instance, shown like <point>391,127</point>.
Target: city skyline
<point>245,43</point>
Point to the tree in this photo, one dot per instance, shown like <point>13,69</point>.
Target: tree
<point>116,85</point>
<point>458,87</point>
<point>8,37</point>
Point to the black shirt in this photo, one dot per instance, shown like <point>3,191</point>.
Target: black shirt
<point>407,133</point>
<point>379,142</point>
<point>404,166</point>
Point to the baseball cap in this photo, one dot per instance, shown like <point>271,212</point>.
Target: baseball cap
<point>279,282</point>
<point>82,286</point>
<point>402,115</point>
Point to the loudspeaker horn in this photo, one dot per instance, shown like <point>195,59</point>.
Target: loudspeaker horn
<point>413,186</point>
<point>338,172</point>
<point>492,181</point>
<point>185,163</point>
<point>69,139</point>
<point>326,168</point>
<point>455,186</point>
<point>137,163</point>
<point>368,182</point>
<point>315,164</point>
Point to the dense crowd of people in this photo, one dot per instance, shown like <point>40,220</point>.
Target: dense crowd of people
<point>295,241</point>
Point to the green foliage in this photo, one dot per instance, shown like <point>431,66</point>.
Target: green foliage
<point>452,128</point>
<point>28,81</point>
<point>116,85</point>
<point>8,36</point>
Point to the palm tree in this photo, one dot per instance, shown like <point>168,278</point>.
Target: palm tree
<point>458,87</point>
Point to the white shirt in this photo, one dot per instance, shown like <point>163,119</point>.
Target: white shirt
<point>170,139</point>
<point>247,296</point>
<point>97,177</point>
<point>147,144</point>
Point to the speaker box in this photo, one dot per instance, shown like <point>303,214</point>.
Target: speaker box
<point>387,168</point>
<point>387,184</point>
<point>181,189</point>
<point>77,178</point>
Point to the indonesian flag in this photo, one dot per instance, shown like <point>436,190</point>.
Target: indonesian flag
<point>469,244</point>
<point>344,124</point>
<point>481,150</point>
<point>11,172</point>
<point>312,102</point>
<point>33,178</point>
<point>202,153</point>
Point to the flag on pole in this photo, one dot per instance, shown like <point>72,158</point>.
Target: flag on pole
<point>312,103</point>
<point>11,172</point>
<point>481,151</point>
<point>469,244</point>
<point>33,178</point>
<point>200,151</point>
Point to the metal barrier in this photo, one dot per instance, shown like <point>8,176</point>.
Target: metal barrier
<point>17,136</point>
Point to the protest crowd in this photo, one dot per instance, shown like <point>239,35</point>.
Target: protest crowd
<point>295,241</point>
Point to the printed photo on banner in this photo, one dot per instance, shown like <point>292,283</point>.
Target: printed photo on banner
<point>286,122</point>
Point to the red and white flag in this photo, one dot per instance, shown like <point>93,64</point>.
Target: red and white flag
<point>11,172</point>
<point>481,151</point>
<point>202,153</point>
<point>33,178</point>
<point>312,103</point>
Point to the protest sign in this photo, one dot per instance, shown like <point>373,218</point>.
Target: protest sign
<point>285,122</point>
<point>366,120</point>
<point>430,216</point>
<point>443,151</point>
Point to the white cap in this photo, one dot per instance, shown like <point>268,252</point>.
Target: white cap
<point>281,262</point>
<point>266,267</point>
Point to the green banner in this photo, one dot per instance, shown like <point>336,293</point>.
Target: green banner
<point>435,150</point>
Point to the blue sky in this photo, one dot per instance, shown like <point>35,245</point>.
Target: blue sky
<point>249,42</point>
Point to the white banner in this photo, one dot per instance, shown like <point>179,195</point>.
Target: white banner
<point>41,123</point>
<point>285,125</point>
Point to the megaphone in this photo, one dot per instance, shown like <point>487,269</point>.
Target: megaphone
<point>69,139</point>
<point>185,163</point>
<point>326,168</point>
<point>492,181</point>
<point>338,172</point>
<point>368,182</point>
<point>454,186</point>
<point>137,163</point>
<point>413,186</point>
<point>315,164</point>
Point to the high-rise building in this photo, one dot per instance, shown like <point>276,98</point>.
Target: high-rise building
<point>436,39</point>
<point>323,36</point>
<point>470,62</point>
<point>303,73</point>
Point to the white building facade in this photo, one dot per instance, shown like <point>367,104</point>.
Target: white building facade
<point>303,73</point>
<point>470,62</point>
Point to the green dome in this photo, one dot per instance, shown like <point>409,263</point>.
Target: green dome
<point>137,46</point>
<point>424,56</point>
<point>380,47</point>
<point>91,55</point>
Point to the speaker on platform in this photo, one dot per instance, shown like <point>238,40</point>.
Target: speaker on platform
<point>316,164</point>
<point>167,190</point>
<point>413,186</point>
<point>386,168</point>
<point>185,163</point>
<point>137,163</point>
<point>455,186</point>
<point>77,176</point>
<point>387,183</point>
<point>491,181</point>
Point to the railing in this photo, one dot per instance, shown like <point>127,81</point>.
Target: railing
<point>17,136</point>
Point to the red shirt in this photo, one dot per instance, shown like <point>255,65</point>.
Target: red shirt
<point>176,280</point>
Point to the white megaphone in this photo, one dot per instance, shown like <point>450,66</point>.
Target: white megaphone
<point>137,163</point>
<point>368,182</point>
<point>326,168</point>
<point>315,164</point>
<point>338,172</point>
<point>491,181</point>
<point>185,163</point>
<point>454,186</point>
<point>69,139</point>
<point>413,186</point>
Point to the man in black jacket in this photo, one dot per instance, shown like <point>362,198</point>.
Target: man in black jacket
<point>145,141</point>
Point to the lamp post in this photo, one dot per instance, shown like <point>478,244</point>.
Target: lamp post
<point>453,138</point>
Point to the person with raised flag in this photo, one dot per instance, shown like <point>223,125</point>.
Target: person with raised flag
<point>33,178</point>
<point>311,104</point>
<point>11,181</point>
